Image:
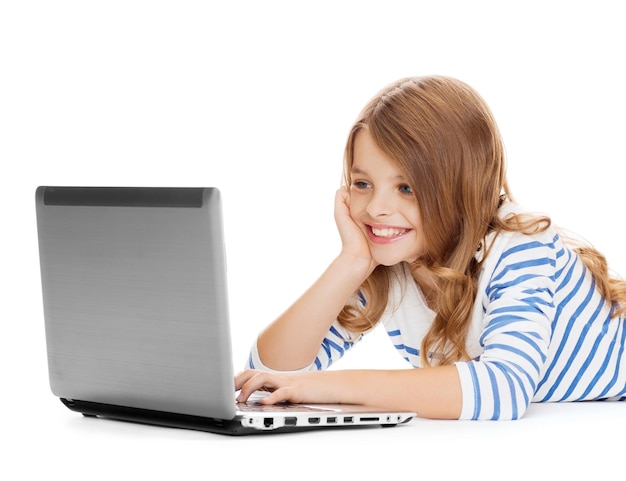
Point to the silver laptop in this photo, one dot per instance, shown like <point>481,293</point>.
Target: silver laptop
<point>136,313</point>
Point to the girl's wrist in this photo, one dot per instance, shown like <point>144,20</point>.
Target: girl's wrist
<point>358,266</point>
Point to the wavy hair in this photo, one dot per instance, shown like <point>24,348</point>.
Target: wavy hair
<point>441,134</point>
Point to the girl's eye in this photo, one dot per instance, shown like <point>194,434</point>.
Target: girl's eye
<point>360,184</point>
<point>405,189</point>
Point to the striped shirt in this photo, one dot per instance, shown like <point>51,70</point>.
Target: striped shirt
<point>540,331</point>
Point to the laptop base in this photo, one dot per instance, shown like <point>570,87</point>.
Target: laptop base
<point>183,421</point>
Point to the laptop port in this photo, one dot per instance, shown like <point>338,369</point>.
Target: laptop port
<point>268,422</point>
<point>331,420</point>
<point>370,419</point>
<point>291,421</point>
<point>314,420</point>
<point>348,419</point>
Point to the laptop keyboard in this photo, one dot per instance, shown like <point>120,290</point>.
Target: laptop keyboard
<point>256,406</point>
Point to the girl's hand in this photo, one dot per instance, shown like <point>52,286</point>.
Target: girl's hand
<point>353,239</point>
<point>294,387</point>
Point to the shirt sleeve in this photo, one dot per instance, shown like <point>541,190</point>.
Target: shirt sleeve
<point>518,308</point>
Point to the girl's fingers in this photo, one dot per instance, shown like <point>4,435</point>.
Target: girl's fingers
<point>249,381</point>
<point>277,396</point>
<point>243,377</point>
<point>244,382</point>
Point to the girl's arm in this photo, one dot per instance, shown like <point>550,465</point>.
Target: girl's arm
<point>429,392</point>
<point>519,307</point>
<point>293,340</point>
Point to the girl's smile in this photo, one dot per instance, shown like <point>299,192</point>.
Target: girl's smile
<point>382,234</point>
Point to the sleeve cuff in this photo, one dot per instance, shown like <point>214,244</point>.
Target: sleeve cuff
<point>467,390</point>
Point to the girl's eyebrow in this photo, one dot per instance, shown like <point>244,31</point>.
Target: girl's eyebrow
<point>356,170</point>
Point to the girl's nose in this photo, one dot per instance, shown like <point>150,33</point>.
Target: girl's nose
<point>380,205</point>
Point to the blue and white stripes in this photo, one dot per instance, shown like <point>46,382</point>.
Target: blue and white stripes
<point>547,334</point>
<point>410,353</point>
<point>518,306</point>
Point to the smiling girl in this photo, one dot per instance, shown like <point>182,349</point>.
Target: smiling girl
<point>492,305</point>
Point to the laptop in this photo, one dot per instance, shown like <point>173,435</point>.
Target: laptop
<point>136,313</point>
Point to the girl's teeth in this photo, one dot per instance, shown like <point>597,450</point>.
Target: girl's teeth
<point>387,232</point>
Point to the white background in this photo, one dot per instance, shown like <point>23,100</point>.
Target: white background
<point>257,98</point>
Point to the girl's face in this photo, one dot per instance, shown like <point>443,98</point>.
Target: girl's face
<point>383,205</point>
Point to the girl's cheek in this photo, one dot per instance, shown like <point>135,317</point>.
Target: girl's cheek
<point>353,208</point>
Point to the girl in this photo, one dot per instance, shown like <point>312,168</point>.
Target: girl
<point>493,304</point>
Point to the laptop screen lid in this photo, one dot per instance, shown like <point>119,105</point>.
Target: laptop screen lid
<point>134,295</point>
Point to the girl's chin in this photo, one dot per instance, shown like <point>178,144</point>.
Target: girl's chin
<point>386,258</point>
<point>389,261</point>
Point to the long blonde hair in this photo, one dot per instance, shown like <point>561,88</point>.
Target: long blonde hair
<point>441,134</point>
